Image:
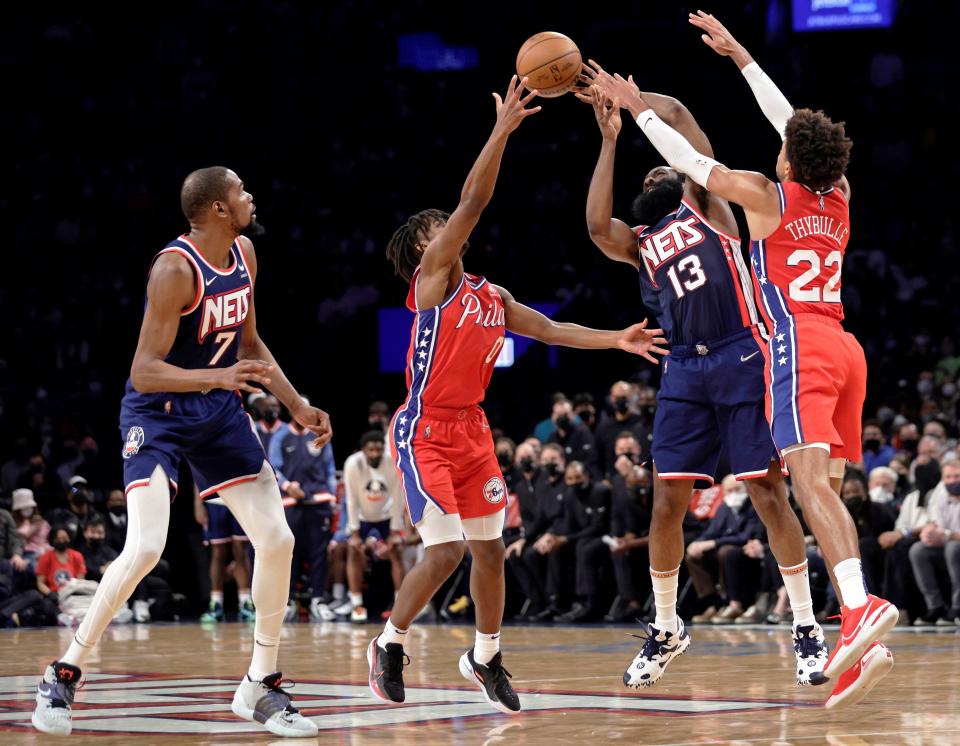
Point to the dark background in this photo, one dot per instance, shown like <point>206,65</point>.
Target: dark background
<point>111,107</point>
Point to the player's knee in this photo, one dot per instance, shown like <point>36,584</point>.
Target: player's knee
<point>488,553</point>
<point>446,556</point>
<point>667,512</point>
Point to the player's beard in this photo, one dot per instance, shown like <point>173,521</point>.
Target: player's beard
<point>253,229</point>
<point>650,207</point>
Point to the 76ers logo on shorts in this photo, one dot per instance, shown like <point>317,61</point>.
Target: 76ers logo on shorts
<point>494,490</point>
<point>134,441</point>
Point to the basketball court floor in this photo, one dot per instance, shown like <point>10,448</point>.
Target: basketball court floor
<point>172,684</point>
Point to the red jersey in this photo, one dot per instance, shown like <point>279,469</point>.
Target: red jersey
<point>797,268</point>
<point>453,346</point>
<point>57,573</point>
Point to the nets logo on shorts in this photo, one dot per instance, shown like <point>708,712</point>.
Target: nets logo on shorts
<point>494,490</point>
<point>135,439</point>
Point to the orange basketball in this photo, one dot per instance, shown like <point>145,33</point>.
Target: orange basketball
<point>551,61</point>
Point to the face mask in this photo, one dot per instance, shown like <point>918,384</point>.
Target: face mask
<point>582,489</point>
<point>95,543</point>
<point>374,462</point>
<point>871,445</point>
<point>60,545</point>
<point>925,387</point>
<point>270,417</point>
<point>949,390</point>
<point>621,404</point>
<point>503,458</point>
<point>909,444</point>
<point>526,464</point>
<point>118,510</point>
<point>553,470</point>
<point>563,423</point>
<point>854,504</point>
<point>880,495</point>
<point>377,424</point>
<point>953,489</point>
<point>926,476</point>
<point>588,417</point>
<point>735,500</point>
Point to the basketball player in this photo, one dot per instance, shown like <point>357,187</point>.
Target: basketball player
<point>440,437</point>
<point>687,251</point>
<point>198,347</point>
<point>815,371</point>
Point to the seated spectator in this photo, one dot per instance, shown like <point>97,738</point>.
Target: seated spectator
<point>374,518</point>
<point>939,549</point>
<point>632,509</point>
<point>876,451</point>
<point>17,595</point>
<point>574,437</point>
<point>871,519</point>
<point>585,410</point>
<point>624,418</point>
<point>77,511</point>
<point>587,507</point>
<point>907,440</point>
<point>11,543</point>
<point>32,528</point>
<point>116,519</point>
<point>717,560</point>
<point>883,486</point>
<point>522,490</point>
<point>60,565</point>
<point>97,554</point>
<point>378,416</point>
<point>936,429</point>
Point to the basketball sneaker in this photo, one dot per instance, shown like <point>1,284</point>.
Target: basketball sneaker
<point>247,612</point>
<point>266,702</point>
<point>55,694</point>
<point>855,683</point>
<point>858,628</point>
<point>359,615</point>
<point>213,614</point>
<point>659,648</point>
<point>493,680</point>
<point>812,653</point>
<point>320,610</point>
<point>386,670</point>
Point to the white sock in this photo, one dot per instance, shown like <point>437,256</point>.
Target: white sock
<point>485,647</point>
<point>796,580</point>
<point>356,598</point>
<point>338,590</point>
<point>665,595</point>
<point>216,597</point>
<point>853,588</point>
<point>391,634</point>
<point>243,596</point>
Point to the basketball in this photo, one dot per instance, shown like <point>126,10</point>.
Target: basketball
<point>551,61</point>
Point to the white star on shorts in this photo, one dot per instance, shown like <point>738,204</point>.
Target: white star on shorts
<point>782,349</point>
<point>783,361</point>
<point>780,337</point>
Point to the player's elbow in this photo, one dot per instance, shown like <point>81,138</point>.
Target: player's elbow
<point>138,378</point>
<point>599,230</point>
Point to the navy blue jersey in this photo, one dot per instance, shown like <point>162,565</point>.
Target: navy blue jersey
<point>694,278</point>
<point>210,327</point>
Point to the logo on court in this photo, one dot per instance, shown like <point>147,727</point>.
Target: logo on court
<point>161,703</point>
<point>135,439</point>
<point>494,490</point>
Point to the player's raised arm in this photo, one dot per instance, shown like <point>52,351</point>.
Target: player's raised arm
<point>253,348</point>
<point>774,105</point>
<point>441,257</point>
<point>754,192</point>
<point>636,339</point>
<point>172,287</point>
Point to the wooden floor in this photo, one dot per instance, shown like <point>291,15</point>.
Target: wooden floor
<point>172,684</point>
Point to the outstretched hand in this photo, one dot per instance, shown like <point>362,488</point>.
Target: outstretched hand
<point>605,109</point>
<point>639,340</point>
<point>614,87</point>
<point>718,38</point>
<point>511,109</point>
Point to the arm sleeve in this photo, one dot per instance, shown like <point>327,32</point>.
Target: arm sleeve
<point>351,485</point>
<point>773,103</point>
<point>675,148</point>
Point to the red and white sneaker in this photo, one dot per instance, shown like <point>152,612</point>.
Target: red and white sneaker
<point>855,683</point>
<point>858,629</point>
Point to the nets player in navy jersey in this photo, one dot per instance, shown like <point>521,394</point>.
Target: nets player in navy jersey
<point>693,276</point>
<point>198,348</point>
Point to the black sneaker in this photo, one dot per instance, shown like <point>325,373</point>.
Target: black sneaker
<point>579,613</point>
<point>930,618</point>
<point>55,695</point>
<point>493,680</point>
<point>386,670</point>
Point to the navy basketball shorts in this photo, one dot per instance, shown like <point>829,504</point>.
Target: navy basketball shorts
<point>711,396</point>
<point>210,431</point>
<point>377,529</point>
<point>222,527</point>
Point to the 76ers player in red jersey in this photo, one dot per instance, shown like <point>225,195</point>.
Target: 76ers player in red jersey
<point>198,347</point>
<point>815,371</point>
<point>440,437</point>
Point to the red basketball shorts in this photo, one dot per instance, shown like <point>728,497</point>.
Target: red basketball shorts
<point>816,376</point>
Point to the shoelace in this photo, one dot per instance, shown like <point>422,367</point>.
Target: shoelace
<point>62,693</point>
<point>280,686</point>
<point>651,645</point>
<point>807,645</point>
<point>396,660</point>
<point>500,677</point>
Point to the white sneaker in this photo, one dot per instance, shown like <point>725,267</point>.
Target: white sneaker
<point>659,648</point>
<point>359,615</point>
<point>812,653</point>
<point>55,695</point>
<point>141,611</point>
<point>344,609</point>
<point>267,703</point>
<point>319,611</point>
<point>291,613</point>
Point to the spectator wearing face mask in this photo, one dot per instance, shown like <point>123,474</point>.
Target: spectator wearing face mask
<point>61,564</point>
<point>576,440</point>
<point>33,530</point>
<point>716,558</point>
<point>585,409</point>
<point>378,416</point>
<point>939,549</point>
<point>42,480</point>
<point>925,468</point>
<point>505,450</point>
<point>77,511</point>
<point>542,573</point>
<point>587,520</point>
<point>632,509</point>
<point>266,408</point>
<point>883,486</point>
<point>623,418</point>
<point>908,438</point>
<point>545,428</point>
<point>526,472</point>
<point>876,451</point>
<point>116,519</point>
<point>872,520</point>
